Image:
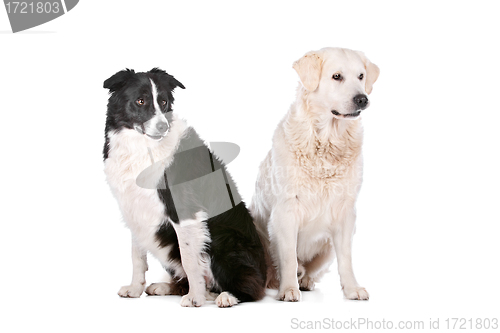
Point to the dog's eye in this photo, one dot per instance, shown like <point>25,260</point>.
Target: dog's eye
<point>361,76</point>
<point>337,76</point>
<point>140,101</point>
<point>163,102</point>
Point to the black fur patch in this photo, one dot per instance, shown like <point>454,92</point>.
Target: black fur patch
<point>126,87</point>
<point>166,236</point>
<point>237,255</point>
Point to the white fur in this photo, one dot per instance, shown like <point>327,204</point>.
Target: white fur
<point>159,116</point>
<point>154,92</point>
<point>304,204</point>
<point>129,154</point>
<point>158,289</point>
<point>139,268</point>
<point>226,300</point>
<point>193,237</point>
<point>150,126</point>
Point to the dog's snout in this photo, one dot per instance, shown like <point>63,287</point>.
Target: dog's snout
<point>361,101</point>
<point>162,127</point>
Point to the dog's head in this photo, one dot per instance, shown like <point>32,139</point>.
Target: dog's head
<point>141,101</point>
<point>337,80</point>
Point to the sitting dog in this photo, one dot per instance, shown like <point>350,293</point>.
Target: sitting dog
<point>304,202</point>
<point>177,198</point>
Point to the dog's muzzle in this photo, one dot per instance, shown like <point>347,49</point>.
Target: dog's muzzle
<point>360,101</point>
<point>161,130</point>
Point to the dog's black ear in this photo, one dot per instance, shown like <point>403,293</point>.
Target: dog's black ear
<point>168,79</point>
<point>118,80</point>
<point>177,83</point>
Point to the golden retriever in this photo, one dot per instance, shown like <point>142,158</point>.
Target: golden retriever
<point>306,190</point>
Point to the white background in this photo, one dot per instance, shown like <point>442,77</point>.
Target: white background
<point>428,224</point>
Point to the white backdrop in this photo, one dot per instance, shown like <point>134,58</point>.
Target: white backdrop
<point>428,219</point>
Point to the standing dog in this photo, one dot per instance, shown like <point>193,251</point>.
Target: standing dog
<point>176,197</point>
<point>304,203</point>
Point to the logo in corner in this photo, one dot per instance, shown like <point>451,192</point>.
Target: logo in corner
<point>24,15</point>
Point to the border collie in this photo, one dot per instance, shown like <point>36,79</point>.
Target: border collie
<point>177,198</point>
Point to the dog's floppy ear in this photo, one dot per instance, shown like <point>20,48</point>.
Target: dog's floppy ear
<point>309,69</point>
<point>117,81</point>
<point>164,76</point>
<point>372,72</point>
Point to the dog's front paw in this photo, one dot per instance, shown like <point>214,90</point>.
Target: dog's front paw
<point>357,293</point>
<point>190,300</point>
<point>134,290</point>
<point>289,295</point>
<point>158,289</point>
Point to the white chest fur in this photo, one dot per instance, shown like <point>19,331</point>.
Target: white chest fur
<point>129,154</point>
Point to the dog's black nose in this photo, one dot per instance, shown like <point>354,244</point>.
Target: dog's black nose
<point>162,127</point>
<point>361,101</point>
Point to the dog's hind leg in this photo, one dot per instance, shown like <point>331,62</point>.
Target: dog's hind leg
<point>139,268</point>
<point>226,300</point>
<point>314,269</point>
<point>176,287</point>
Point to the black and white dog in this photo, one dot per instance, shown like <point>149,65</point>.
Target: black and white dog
<point>177,198</point>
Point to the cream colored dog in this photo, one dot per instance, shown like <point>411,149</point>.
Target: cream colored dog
<point>306,190</point>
